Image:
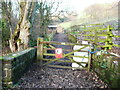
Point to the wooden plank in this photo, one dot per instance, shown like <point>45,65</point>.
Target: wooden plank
<point>51,61</point>
<point>76,62</point>
<point>89,39</point>
<point>99,40</point>
<point>116,45</point>
<point>116,35</point>
<point>58,66</point>
<point>64,43</point>
<point>104,40</point>
<point>48,54</point>
<point>74,51</point>
<point>65,55</point>
<point>102,34</point>
<point>57,60</point>
<point>92,29</point>
<point>89,59</point>
<point>40,48</point>
<point>104,46</point>
<point>106,33</point>
<point>63,61</point>
<point>52,46</point>
<point>65,49</point>
<point>108,37</point>
<point>89,35</point>
<point>77,56</point>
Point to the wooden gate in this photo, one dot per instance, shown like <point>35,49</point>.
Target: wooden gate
<point>44,46</point>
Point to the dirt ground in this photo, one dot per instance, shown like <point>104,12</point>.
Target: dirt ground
<point>44,77</point>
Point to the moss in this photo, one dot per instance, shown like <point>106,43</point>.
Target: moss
<point>72,38</point>
<point>17,64</point>
<point>107,71</point>
<point>1,57</point>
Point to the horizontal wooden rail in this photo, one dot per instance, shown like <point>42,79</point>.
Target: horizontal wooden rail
<point>93,29</point>
<point>65,55</point>
<point>64,61</point>
<point>116,36</point>
<point>89,40</point>
<point>104,33</point>
<point>48,54</point>
<point>99,34</point>
<point>58,66</point>
<point>77,56</point>
<point>63,43</point>
<point>116,45</point>
<point>52,46</point>
<point>104,45</point>
<point>64,49</point>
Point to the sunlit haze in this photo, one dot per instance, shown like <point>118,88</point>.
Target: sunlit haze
<point>79,5</point>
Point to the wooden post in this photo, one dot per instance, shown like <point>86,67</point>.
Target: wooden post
<point>95,36</point>
<point>89,60</point>
<point>90,57</point>
<point>109,37</point>
<point>40,49</point>
<point>83,31</point>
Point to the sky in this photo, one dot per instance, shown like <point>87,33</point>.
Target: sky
<point>79,5</point>
<point>73,5</point>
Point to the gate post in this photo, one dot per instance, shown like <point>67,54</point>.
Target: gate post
<point>40,49</point>
<point>90,56</point>
<point>109,38</point>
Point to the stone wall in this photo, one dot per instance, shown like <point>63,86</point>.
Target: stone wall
<point>16,64</point>
<point>108,69</point>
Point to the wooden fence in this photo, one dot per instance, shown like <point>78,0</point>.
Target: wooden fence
<point>43,46</point>
<point>98,34</point>
<point>105,64</point>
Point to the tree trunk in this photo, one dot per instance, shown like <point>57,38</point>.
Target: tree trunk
<point>20,39</point>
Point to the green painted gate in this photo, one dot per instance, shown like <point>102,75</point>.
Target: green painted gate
<point>43,46</point>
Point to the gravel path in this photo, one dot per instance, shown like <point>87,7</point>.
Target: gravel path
<point>45,77</point>
<point>38,77</point>
<point>61,37</point>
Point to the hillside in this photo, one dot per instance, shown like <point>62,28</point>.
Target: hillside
<point>97,13</point>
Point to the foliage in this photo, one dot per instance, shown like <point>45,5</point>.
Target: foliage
<point>33,43</point>
<point>5,32</point>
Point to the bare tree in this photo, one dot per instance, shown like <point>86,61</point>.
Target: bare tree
<point>19,39</point>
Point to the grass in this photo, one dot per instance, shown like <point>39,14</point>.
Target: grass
<point>65,25</point>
